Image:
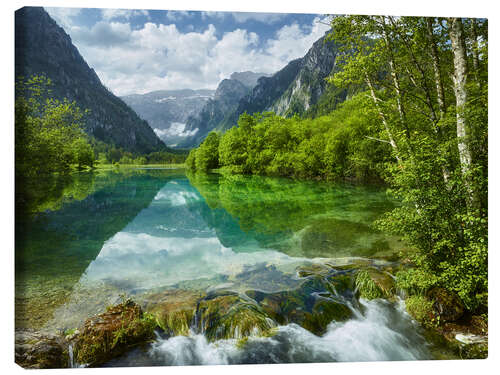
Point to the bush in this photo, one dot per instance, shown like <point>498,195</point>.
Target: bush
<point>420,309</point>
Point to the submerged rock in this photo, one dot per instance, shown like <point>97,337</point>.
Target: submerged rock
<point>35,350</point>
<point>113,332</point>
<point>323,297</point>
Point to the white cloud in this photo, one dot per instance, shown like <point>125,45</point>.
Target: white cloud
<point>176,15</point>
<point>110,14</point>
<point>242,17</point>
<point>159,56</point>
<point>63,16</point>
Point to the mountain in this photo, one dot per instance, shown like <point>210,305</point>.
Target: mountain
<point>167,111</point>
<point>248,78</point>
<point>44,48</point>
<point>225,101</point>
<point>294,89</point>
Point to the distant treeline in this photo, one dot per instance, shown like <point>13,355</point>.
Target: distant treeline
<point>49,136</point>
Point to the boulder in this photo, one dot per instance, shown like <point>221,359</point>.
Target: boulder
<point>447,305</point>
<point>35,350</point>
<point>374,283</point>
<point>174,309</point>
<point>228,315</point>
<point>112,333</point>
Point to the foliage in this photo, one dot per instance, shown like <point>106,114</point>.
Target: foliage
<point>48,132</point>
<point>420,308</point>
<point>366,286</point>
<point>332,147</point>
<point>440,178</point>
<point>415,281</point>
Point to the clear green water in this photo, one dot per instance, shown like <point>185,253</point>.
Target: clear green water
<point>102,235</point>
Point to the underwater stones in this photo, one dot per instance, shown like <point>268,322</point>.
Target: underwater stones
<point>323,312</point>
<point>113,332</point>
<point>447,305</point>
<point>174,309</point>
<point>323,297</point>
<point>223,316</point>
<point>36,350</point>
<point>372,283</point>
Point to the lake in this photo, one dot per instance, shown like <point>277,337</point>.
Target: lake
<point>159,234</point>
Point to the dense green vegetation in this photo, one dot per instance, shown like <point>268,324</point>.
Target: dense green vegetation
<point>332,146</point>
<point>50,136</point>
<point>420,124</point>
<point>48,132</point>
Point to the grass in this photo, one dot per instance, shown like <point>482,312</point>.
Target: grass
<point>113,166</point>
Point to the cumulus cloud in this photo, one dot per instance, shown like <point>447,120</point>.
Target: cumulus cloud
<point>110,14</point>
<point>63,16</point>
<point>176,15</point>
<point>159,56</point>
<point>243,17</point>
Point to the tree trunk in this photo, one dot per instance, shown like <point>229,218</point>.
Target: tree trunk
<point>435,65</point>
<point>382,117</point>
<point>460,80</point>
<point>475,51</point>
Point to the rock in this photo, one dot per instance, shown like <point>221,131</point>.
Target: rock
<point>320,300</point>
<point>447,305</point>
<point>373,283</point>
<point>34,350</point>
<point>470,339</point>
<point>223,316</point>
<point>174,310</point>
<point>112,333</point>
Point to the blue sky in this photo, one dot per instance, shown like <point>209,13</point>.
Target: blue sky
<point>137,51</point>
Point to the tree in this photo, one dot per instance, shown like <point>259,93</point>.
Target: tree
<point>49,133</point>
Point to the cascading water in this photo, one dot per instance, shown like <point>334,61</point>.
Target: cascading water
<point>380,331</point>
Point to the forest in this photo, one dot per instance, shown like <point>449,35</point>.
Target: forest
<point>417,121</point>
<point>50,136</point>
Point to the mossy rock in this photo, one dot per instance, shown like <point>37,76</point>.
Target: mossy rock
<point>372,283</point>
<point>112,333</point>
<point>323,313</point>
<point>230,316</point>
<point>447,305</point>
<point>174,309</point>
<point>313,305</point>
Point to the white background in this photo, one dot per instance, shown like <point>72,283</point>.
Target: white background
<point>477,8</point>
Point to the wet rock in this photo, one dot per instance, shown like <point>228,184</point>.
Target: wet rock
<point>174,309</point>
<point>447,305</point>
<point>374,283</point>
<point>321,299</point>
<point>228,315</point>
<point>35,350</point>
<point>113,332</point>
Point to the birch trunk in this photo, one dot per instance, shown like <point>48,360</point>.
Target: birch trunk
<point>460,80</point>
<point>435,65</point>
<point>382,117</point>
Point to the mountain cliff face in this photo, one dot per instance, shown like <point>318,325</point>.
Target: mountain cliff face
<point>293,89</point>
<point>224,102</point>
<point>43,48</point>
<point>167,111</point>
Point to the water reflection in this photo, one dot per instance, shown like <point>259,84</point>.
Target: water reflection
<point>136,231</point>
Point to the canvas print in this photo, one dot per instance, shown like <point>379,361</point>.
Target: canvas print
<point>200,187</point>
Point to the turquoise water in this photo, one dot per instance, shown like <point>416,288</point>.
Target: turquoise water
<point>138,232</point>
